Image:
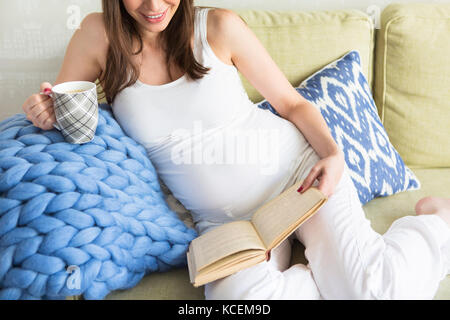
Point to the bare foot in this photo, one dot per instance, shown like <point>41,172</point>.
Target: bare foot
<point>434,205</point>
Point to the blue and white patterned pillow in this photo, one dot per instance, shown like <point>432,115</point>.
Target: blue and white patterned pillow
<point>341,92</point>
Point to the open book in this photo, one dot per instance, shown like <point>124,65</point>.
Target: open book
<point>241,244</point>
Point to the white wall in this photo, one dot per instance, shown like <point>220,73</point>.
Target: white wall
<point>35,33</point>
<point>33,38</point>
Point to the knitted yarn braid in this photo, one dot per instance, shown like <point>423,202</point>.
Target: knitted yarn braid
<point>81,219</point>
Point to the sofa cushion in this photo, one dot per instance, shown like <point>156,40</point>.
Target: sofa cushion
<point>382,212</point>
<point>301,43</point>
<point>413,81</point>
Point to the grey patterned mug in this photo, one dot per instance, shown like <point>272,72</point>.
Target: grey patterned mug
<point>76,110</point>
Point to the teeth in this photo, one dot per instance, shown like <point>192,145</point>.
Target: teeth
<point>155,17</point>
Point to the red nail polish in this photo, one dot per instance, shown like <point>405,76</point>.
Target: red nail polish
<point>300,189</point>
<point>47,90</point>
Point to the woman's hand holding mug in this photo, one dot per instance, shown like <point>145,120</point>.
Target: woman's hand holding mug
<point>71,107</point>
<point>39,108</point>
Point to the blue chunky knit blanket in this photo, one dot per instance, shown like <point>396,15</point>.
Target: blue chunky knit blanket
<point>81,219</point>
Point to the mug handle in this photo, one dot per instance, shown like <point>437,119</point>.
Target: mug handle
<point>56,126</point>
<point>50,94</point>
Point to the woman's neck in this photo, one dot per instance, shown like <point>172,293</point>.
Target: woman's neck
<point>152,39</point>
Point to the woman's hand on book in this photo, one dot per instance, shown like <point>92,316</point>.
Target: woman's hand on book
<point>328,172</point>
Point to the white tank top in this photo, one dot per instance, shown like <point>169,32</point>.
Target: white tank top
<point>220,155</point>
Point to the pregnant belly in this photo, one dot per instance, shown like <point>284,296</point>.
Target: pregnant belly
<point>224,175</point>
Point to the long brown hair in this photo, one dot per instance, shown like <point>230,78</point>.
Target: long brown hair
<point>121,30</point>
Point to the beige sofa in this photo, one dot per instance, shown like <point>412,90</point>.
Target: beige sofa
<point>406,61</point>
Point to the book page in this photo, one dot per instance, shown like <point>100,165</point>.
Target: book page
<point>191,266</point>
<point>235,259</point>
<point>223,241</point>
<point>289,209</point>
<point>238,261</point>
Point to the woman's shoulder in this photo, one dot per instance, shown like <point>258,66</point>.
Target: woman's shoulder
<point>221,17</point>
<point>219,24</point>
<point>94,31</point>
<point>221,21</point>
<point>93,25</point>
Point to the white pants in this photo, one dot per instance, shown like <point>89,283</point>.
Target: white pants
<point>348,259</point>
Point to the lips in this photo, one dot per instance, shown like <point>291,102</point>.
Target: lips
<point>158,16</point>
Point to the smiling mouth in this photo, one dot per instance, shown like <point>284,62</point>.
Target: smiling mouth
<point>155,16</point>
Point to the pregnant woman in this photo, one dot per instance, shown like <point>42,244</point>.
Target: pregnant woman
<point>170,72</point>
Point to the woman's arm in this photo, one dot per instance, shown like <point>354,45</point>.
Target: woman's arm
<point>82,61</point>
<point>85,51</point>
<point>256,65</point>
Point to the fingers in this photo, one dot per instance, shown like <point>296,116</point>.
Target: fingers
<point>33,101</point>
<point>37,98</point>
<point>35,111</point>
<point>45,85</point>
<point>39,108</point>
<point>42,115</point>
<point>324,185</point>
<point>46,119</point>
<point>309,180</point>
